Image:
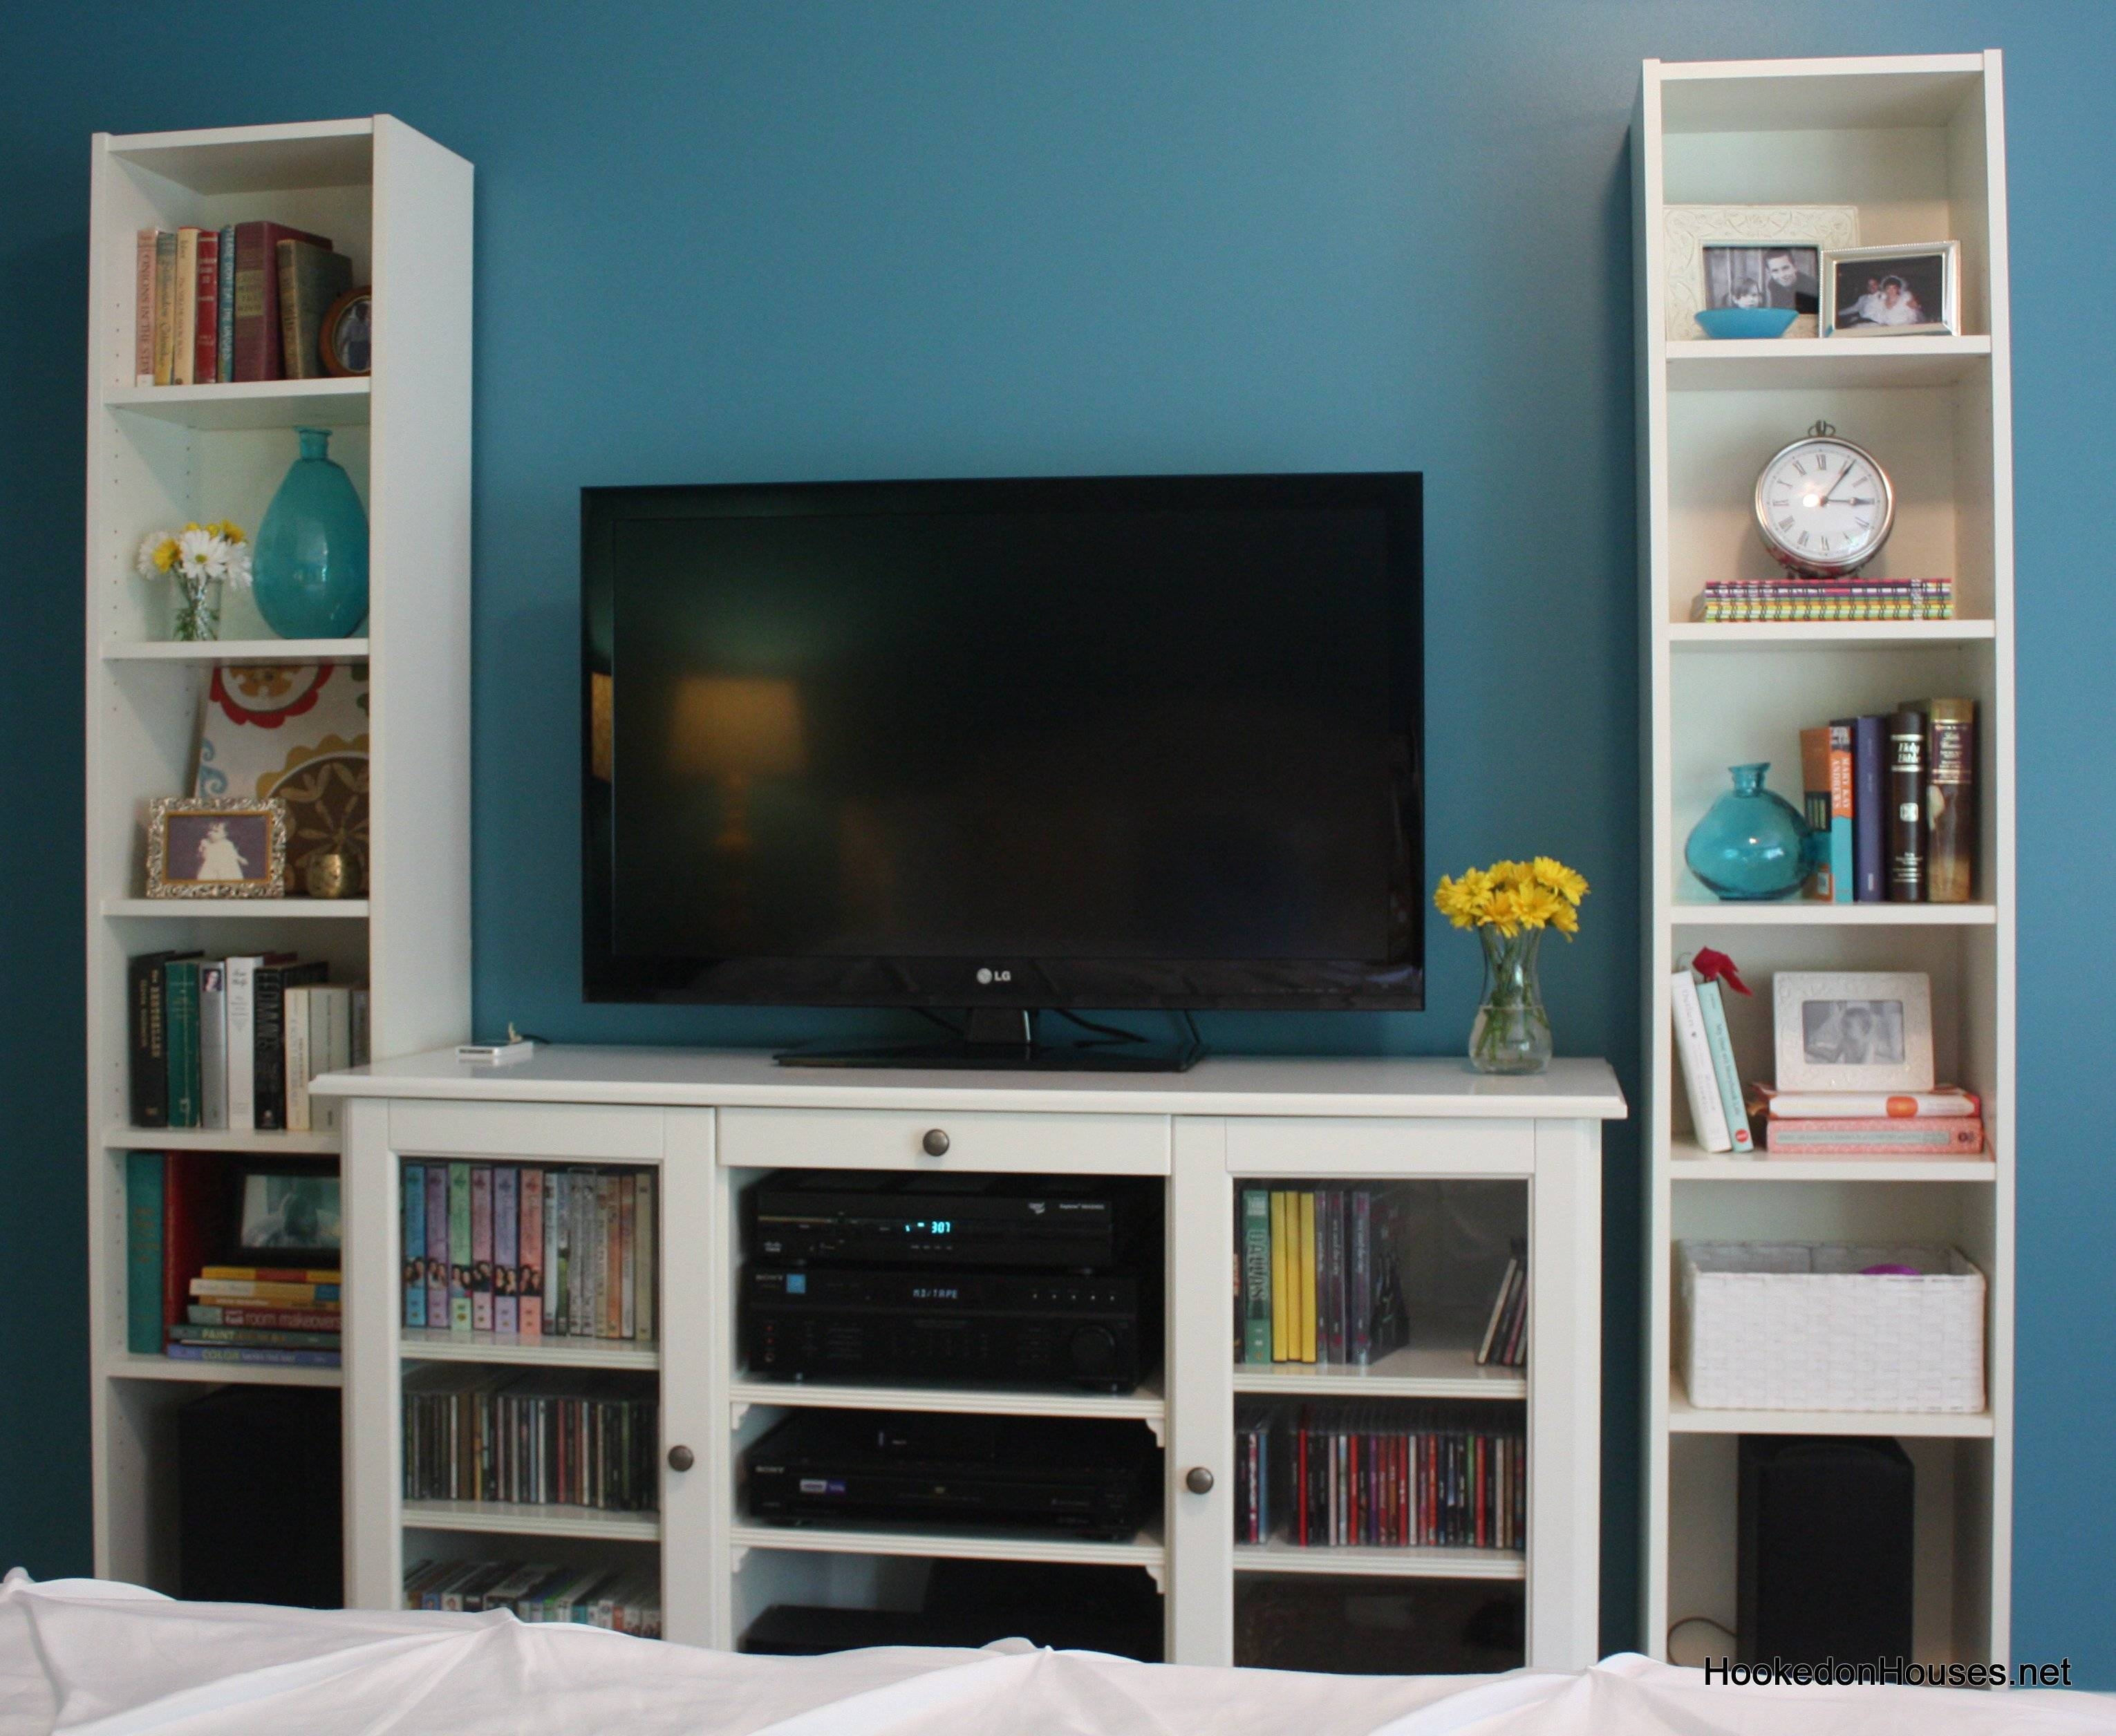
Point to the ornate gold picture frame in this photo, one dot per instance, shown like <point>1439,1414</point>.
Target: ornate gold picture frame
<point>222,846</point>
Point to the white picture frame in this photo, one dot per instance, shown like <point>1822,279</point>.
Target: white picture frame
<point>1932,269</point>
<point>1686,231</point>
<point>1853,1031</point>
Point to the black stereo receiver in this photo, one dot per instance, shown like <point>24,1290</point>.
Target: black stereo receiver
<point>859,1218</point>
<point>1093,1332</point>
<point>1083,1477</point>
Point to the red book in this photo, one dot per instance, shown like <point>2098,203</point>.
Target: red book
<point>259,354</point>
<point>196,1198</point>
<point>205,367</point>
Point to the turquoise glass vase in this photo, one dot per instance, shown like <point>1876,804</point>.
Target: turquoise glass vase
<point>309,569</point>
<point>1751,845</point>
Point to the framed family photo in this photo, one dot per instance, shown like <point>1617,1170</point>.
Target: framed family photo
<point>1717,256</point>
<point>216,847</point>
<point>289,1217</point>
<point>1895,292</point>
<point>1853,1031</point>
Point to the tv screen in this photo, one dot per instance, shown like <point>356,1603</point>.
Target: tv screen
<point>1115,742</point>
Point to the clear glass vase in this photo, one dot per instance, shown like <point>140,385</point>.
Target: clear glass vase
<point>198,609</point>
<point>1512,1031</point>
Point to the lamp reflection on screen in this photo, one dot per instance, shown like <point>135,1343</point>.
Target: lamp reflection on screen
<point>733,729</point>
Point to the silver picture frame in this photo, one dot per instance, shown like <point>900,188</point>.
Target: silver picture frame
<point>1853,1031</point>
<point>1881,263</point>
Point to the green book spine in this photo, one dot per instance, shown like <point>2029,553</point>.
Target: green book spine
<point>182,1014</point>
<point>458,1247</point>
<point>142,1253</point>
<point>1256,1275</point>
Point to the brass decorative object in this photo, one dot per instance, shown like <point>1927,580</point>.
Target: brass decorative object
<point>333,874</point>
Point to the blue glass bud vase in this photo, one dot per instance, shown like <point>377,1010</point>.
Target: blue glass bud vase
<point>1751,845</point>
<point>309,566</point>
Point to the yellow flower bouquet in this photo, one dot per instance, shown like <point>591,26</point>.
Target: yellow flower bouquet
<point>196,559</point>
<point>1511,904</point>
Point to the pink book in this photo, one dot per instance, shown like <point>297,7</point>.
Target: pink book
<point>1876,1135</point>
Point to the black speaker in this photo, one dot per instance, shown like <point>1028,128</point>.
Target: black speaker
<point>260,1513</point>
<point>1823,1563</point>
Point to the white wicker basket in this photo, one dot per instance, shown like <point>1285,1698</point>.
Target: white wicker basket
<point>1797,1326</point>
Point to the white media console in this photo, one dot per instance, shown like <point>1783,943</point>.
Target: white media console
<point>1476,1158</point>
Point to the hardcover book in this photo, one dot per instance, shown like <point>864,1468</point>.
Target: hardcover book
<point>1950,800</point>
<point>259,353</point>
<point>165,307</point>
<point>1870,810</point>
<point>645,1256</point>
<point>142,1253</point>
<point>1877,1135</point>
<point>145,986</point>
<point>225,307</point>
<point>1708,1116</point>
<point>1711,1006</point>
<point>1256,1275</point>
<point>310,279</point>
<point>180,992</point>
<point>143,317</point>
<point>1814,780</point>
<point>185,313</point>
<point>1843,811</point>
<point>269,1018</point>
<point>196,1202</point>
<point>205,331</point>
<point>213,1042</point>
<point>1906,788</point>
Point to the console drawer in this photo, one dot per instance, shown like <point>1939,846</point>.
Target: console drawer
<point>1341,1145</point>
<point>895,1139</point>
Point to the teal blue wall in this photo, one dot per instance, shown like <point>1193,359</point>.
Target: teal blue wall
<point>841,241</point>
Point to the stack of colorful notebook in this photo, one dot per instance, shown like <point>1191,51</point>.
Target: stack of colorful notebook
<point>1917,1124</point>
<point>1792,598</point>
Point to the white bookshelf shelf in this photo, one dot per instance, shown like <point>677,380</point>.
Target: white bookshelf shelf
<point>269,403</point>
<point>1691,1163</point>
<point>1423,1562</point>
<point>1147,1550</point>
<point>219,1374</point>
<point>246,1141</point>
<point>1685,1418</point>
<point>1813,913</point>
<point>530,1519</point>
<point>1145,1404</point>
<point>235,650</point>
<point>1916,144</point>
<point>1780,363</point>
<point>1413,1371</point>
<point>255,910</point>
<point>1776,635</point>
<point>423,1344</point>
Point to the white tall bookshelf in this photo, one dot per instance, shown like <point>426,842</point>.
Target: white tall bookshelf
<point>1918,145</point>
<point>400,205</point>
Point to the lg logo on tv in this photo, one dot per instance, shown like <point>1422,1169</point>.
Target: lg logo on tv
<point>988,976</point>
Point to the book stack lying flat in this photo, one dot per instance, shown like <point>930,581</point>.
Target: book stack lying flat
<point>1915,1124</point>
<point>1381,1476</point>
<point>1795,599</point>
<point>287,1315</point>
<point>1319,1281</point>
<point>627,1601</point>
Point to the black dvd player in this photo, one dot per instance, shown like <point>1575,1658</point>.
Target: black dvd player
<point>860,1218</point>
<point>1093,1332</point>
<point>1082,1477</point>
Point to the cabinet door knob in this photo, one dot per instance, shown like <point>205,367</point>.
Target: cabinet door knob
<point>1197,1479</point>
<point>936,1141</point>
<point>681,1458</point>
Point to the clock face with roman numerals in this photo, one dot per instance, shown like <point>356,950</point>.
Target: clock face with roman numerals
<point>1825,506</point>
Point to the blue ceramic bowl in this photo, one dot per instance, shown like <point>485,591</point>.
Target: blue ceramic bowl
<point>1747,322</point>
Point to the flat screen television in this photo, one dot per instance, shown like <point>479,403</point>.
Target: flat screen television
<point>1108,742</point>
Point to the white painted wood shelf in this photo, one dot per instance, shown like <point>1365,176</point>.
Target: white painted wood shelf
<point>251,910</point>
<point>1364,1561</point>
<point>235,650</point>
<point>1144,1404</point>
<point>1413,1371</point>
<point>1147,1550</point>
<point>270,403</point>
<point>1917,145</point>
<point>242,1141</point>
<point>533,1519</point>
<point>1683,1417</point>
<point>124,1366</point>
<point>425,1344</point>
<point>399,207</point>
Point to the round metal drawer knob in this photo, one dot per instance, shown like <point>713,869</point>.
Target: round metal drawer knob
<point>1197,1479</point>
<point>936,1142</point>
<point>681,1458</point>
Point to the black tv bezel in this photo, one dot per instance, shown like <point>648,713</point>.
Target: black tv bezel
<point>1394,983</point>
